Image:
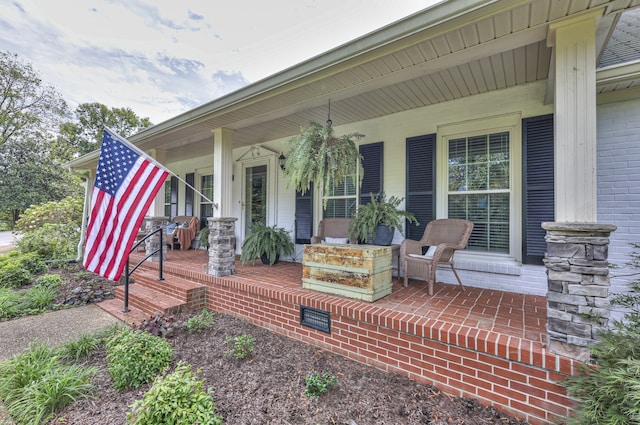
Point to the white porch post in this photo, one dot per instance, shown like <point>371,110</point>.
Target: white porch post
<point>574,49</point>
<point>222,171</point>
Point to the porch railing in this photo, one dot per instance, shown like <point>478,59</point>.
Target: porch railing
<point>128,273</point>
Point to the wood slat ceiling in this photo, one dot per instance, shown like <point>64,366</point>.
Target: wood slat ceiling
<point>470,59</point>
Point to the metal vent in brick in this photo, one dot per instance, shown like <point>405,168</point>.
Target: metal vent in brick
<point>316,319</point>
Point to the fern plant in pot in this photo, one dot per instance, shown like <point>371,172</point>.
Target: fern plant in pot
<point>377,221</point>
<point>266,243</point>
<point>317,156</point>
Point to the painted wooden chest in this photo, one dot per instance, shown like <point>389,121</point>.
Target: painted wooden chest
<point>356,271</point>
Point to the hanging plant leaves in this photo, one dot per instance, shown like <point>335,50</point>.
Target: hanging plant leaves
<point>317,155</point>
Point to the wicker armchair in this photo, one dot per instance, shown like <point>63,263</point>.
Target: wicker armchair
<point>444,237</point>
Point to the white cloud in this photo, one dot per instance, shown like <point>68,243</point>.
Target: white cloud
<point>161,58</point>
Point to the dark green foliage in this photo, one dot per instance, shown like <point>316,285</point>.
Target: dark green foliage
<point>52,241</point>
<point>317,156</point>
<point>135,357</point>
<point>381,210</point>
<point>175,399</point>
<point>14,275</point>
<point>79,349</point>
<point>25,303</point>
<point>609,391</point>
<point>317,384</point>
<point>270,240</point>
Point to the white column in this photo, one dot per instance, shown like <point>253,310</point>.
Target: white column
<point>222,171</point>
<point>574,51</point>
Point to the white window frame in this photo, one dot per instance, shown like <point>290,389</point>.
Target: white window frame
<point>511,123</point>
<point>319,201</point>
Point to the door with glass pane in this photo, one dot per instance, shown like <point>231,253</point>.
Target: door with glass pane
<point>255,196</point>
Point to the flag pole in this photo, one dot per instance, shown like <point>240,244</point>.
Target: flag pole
<point>153,160</point>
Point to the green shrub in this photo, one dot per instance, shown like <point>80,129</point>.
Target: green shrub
<point>32,262</point>
<point>136,357</point>
<point>241,346</point>
<point>609,393</point>
<point>14,275</point>
<point>317,384</point>
<point>200,322</point>
<point>35,384</point>
<point>57,241</point>
<point>49,281</point>
<point>17,304</point>
<point>67,210</point>
<point>177,398</point>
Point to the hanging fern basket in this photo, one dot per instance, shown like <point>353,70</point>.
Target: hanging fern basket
<point>317,155</point>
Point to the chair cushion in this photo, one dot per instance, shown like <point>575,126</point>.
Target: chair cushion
<point>427,255</point>
<point>335,240</point>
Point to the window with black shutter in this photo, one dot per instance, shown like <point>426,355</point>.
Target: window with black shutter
<point>304,216</point>
<point>538,181</point>
<point>421,168</point>
<point>372,162</point>
<point>171,197</point>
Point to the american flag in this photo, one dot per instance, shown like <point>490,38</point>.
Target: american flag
<point>126,183</point>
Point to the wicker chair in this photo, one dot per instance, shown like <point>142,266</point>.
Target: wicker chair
<point>444,237</point>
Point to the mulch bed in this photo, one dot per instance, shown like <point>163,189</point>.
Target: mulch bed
<point>268,387</point>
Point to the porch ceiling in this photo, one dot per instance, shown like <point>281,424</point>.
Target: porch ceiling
<point>437,55</point>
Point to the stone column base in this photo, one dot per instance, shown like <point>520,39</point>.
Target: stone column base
<point>222,243</point>
<point>578,286</point>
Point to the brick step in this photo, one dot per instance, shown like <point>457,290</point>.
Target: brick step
<point>150,301</point>
<point>114,307</point>
<point>193,294</point>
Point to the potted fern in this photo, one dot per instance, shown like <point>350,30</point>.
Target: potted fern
<point>376,221</point>
<point>317,156</point>
<point>267,243</point>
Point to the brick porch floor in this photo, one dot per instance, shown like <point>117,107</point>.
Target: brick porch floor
<point>522,316</point>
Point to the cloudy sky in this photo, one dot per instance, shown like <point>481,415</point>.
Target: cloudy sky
<point>164,57</point>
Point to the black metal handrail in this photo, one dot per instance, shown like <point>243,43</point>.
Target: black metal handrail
<point>128,273</point>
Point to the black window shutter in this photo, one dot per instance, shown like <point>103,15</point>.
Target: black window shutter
<point>372,162</point>
<point>188,194</point>
<point>174,196</point>
<point>304,216</point>
<point>537,181</point>
<point>421,178</point>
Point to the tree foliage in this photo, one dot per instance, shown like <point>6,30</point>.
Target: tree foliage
<point>84,134</point>
<point>28,108</point>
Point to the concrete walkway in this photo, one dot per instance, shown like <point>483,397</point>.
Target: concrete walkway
<point>53,328</point>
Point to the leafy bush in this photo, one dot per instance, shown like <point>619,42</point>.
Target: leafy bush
<point>135,357</point>
<point>609,391</point>
<point>49,281</point>
<point>14,275</point>
<point>200,322</point>
<point>317,384</point>
<point>57,241</point>
<point>32,263</point>
<point>39,297</point>
<point>177,398</point>
<point>67,210</point>
<point>35,384</point>
<point>241,346</point>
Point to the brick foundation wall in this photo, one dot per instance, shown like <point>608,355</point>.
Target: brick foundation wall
<point>517,376</point>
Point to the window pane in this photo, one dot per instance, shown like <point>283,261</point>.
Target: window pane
<point>478,189</point>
